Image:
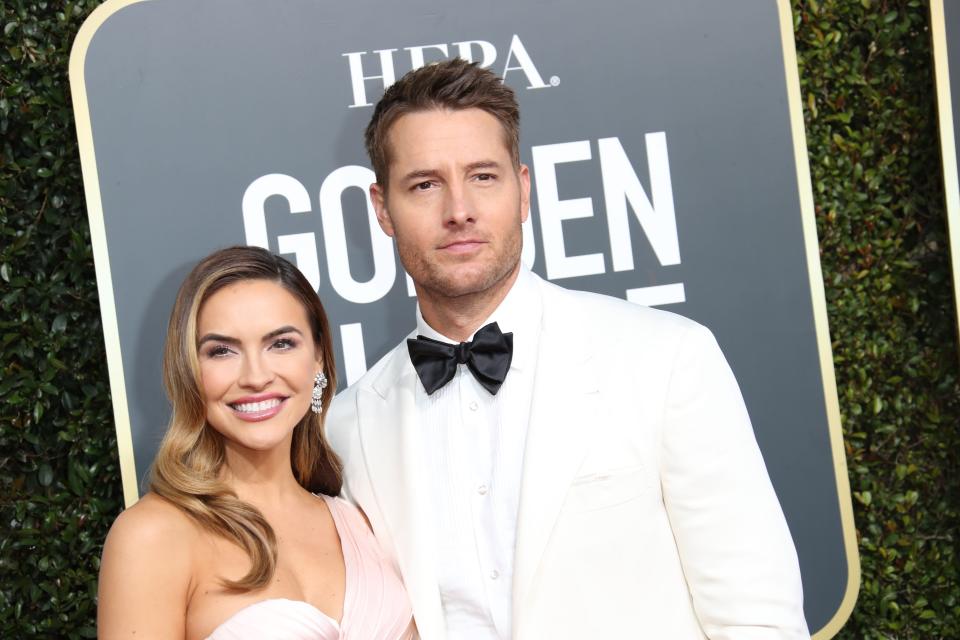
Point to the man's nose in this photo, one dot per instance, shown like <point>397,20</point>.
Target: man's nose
<point>459,206</point>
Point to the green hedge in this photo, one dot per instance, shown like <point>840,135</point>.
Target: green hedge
<point>867,79</point>
<point>867,82</point>
<point>60,483</point>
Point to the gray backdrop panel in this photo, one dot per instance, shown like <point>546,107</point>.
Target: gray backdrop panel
<point>191,102</point>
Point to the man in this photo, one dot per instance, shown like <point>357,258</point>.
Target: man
<point>590,474</point>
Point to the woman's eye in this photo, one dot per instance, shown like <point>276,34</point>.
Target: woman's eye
<point>218,351</point>
<point>284,344</point>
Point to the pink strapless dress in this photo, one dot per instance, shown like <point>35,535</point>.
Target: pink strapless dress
<point>375,604</point>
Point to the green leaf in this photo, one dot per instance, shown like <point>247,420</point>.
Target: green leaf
<point>75,480</point>
<point>45,475</point>
<point>59,324</point>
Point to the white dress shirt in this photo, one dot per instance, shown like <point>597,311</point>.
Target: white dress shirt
<point>474,453</point>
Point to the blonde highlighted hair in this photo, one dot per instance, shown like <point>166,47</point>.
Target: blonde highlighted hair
<point>187,467</point>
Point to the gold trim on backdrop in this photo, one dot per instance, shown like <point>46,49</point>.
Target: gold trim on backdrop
<point>818,299</point>
<point>948,142</point>
<point>98,238</point>
<point>819,302</point>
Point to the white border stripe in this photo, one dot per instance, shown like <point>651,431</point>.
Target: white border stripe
<point>658,295</point>
<point>948,142</point>
<point>818,301</point>
<point>98,238</point>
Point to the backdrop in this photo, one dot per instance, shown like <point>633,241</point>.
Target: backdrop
<point>665,143</point>
<point>945,31</point>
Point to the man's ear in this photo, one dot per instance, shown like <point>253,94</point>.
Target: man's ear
<point>524,176</point>
<point>378,197</point>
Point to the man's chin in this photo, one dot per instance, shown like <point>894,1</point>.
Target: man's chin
<point>461,282</point>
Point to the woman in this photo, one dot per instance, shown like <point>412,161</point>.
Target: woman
<point>240,535</point>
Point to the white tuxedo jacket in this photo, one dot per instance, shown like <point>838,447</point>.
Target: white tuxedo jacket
<point>645,507</point>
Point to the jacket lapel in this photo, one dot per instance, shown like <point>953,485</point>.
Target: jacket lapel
<point>565,402</point>
<point>391,439</point>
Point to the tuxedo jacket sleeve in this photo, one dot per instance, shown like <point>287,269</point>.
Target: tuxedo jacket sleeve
<point>733,542</point>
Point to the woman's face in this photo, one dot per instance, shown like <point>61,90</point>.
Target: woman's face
<point>257,363</point>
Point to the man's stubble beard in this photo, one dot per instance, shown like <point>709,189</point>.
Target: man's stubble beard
<point>454,281</point>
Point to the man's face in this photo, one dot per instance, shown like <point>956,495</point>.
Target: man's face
<point>454,201</point>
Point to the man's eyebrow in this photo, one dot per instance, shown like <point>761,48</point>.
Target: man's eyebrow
<point>217,337</point>
<point>420,173</point>
<point>483,164</point>
<point>417,174</point>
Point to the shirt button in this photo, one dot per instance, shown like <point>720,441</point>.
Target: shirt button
<point>494,574</point>
<point>474,405</point>
<point>482,489</point>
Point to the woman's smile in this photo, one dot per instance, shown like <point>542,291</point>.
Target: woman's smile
<point>257,409</point>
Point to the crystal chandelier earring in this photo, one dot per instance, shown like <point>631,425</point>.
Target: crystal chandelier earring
<point>316,399</point>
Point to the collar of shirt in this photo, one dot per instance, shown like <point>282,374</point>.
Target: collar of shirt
<point>520,313</point>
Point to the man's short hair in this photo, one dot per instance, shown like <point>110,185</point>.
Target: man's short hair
<point>453,84</point>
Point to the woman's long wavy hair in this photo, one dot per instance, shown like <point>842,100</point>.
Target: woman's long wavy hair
<point>187,469</point>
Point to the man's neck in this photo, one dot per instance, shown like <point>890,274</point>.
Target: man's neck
<point>458,318</point>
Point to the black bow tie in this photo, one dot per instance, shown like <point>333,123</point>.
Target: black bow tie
<point>487,356</point>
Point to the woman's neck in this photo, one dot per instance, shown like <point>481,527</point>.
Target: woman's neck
<point>260,477</point>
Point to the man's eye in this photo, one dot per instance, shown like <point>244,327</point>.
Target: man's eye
<point>423,186</point>
<point>485,176</point>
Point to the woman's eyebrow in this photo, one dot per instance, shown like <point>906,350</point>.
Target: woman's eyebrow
<point>281,331</point>
<point>217,337</point>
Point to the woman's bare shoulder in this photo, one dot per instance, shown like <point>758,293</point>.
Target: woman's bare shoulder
<point>155,522</point>
<point>146,572</point>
